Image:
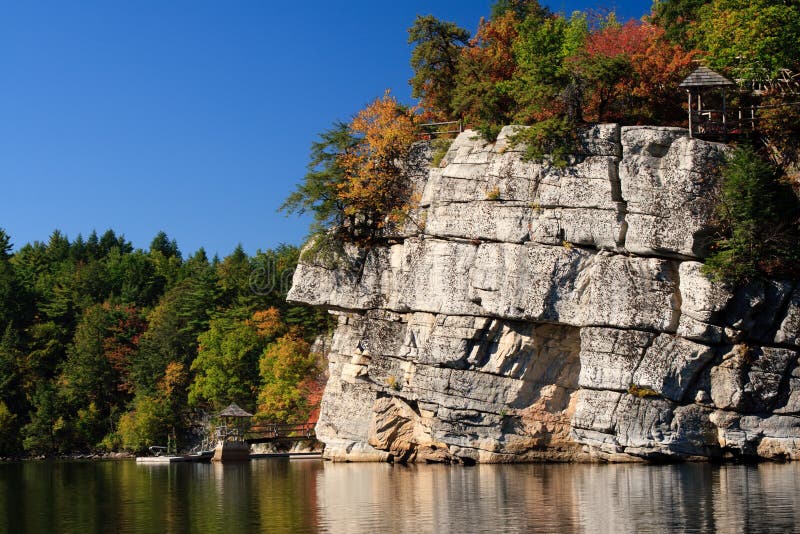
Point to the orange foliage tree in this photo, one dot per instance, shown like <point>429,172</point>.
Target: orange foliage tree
<point>375,191</point>
<point>268,323</point>
<point>631,73</point>
<point>358,180</point>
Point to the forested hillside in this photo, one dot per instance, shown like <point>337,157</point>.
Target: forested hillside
<point>107,347</point>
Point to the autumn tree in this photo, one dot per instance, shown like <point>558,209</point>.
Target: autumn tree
<point>658,68</point>
<point>268,323</point>
<point>358,181</point>
<point>483,94</point>
<point>630,73</point>
<point>154,415</point>
<point>288,369</point>
<point>121,343</point>
<point>437,47</point>
<point>376,190</point>
<point>95,382</point>
<point>750,39</point>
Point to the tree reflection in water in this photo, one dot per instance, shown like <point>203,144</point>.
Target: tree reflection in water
<point>311,496</point>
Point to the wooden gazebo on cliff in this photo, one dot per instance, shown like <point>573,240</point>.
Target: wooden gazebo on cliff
<point>702,84</point>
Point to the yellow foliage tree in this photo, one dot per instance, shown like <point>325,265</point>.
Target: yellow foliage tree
<point>174,381</point>
<point>375,190</point>
<point>268,322</point>
<point>285,366</point>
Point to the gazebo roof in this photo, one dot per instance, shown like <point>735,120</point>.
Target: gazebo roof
<point>234,411</point>
<point>705,77</point>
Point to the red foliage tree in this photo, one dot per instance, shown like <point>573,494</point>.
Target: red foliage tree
<point>122,342</point>
<point>631,74</point>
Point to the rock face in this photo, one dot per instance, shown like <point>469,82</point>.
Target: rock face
<point>529,312</point>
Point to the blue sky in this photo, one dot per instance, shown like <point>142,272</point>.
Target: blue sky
<point>192,117</point>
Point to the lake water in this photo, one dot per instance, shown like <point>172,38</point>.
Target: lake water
<point>271,495</point>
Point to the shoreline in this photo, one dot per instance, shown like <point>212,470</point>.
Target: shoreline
<point>75,456</point>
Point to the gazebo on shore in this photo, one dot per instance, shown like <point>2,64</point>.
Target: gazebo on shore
<point>230,435</point>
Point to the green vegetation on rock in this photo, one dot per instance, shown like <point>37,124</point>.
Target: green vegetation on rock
<point>759,222</point>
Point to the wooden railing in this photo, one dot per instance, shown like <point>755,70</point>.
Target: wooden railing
<point>265,432</point>
<point>715,122</point>
<point>228,433</point>
<point>432,130</point>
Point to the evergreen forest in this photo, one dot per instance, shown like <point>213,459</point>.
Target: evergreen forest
<point>105,347</point>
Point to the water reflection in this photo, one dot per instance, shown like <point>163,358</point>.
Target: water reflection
<point>560,498</point>
<point>309,496</point>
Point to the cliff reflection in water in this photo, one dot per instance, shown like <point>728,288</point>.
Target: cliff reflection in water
<point>311,496</point>
<point>560,498</point>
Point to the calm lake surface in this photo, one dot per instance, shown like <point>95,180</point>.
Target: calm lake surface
<point>312,496</point>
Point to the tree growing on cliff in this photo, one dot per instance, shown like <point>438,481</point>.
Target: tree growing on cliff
<point>750,39</point>
<point>376,190</point>
<point>318,193</point>
<point>437,47</point>
<point>629,73</point>
<point>483,93</point>
<point>542,82</point>
<point>759,220</point>
<point>356,181</point>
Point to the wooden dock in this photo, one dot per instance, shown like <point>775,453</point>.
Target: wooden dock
<point>233,443</point>
<point>160,459</point>
<point>183,458</point>
<point>289,455</point>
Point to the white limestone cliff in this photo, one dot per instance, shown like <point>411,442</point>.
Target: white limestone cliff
<point>530,312</point>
